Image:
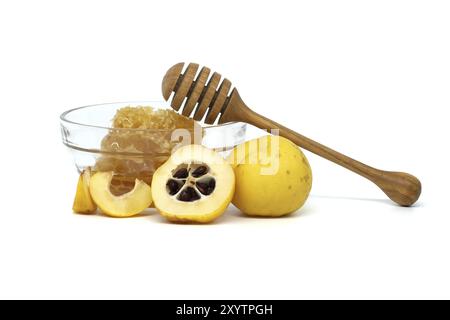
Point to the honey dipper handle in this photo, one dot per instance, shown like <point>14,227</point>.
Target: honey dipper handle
<point>400,187</point>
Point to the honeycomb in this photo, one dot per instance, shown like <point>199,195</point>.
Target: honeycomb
<point>138,143</point>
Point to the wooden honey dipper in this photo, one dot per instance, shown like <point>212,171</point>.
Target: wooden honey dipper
<point>219,100</point>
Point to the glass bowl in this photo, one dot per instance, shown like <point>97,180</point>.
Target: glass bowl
<point>84,129</point>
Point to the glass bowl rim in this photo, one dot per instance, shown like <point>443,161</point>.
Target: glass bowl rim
<point>63,117</point>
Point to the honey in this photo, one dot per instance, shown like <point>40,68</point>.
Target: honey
<point>139,142</point>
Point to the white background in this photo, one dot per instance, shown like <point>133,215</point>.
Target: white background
<point>368,78</point>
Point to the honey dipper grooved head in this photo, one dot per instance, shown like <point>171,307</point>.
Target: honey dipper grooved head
<point>197,92</point>
<point>170,79</point>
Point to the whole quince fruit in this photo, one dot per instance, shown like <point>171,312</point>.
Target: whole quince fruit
<point>273,177</point>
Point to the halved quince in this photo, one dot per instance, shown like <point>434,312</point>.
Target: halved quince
<point>125,205</point>
<point>83,202</point>
<point>195,185</point>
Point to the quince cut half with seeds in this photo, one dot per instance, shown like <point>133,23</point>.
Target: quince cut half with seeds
<point>125,205</point>
<point>195,185</point>
<point>83,202</point>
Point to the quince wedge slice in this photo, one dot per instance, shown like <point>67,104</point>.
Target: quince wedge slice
<point>83,202</point>
<point>125,205</point>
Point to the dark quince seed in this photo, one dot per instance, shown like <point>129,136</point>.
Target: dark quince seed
<point>188,195</point>
<point>184,196</point>
<point>194,194</point>
<point>181,173</point>
<point>173,186</point>
<point>206,187</point>
<point>200,171</point>
<point>202,187</point>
